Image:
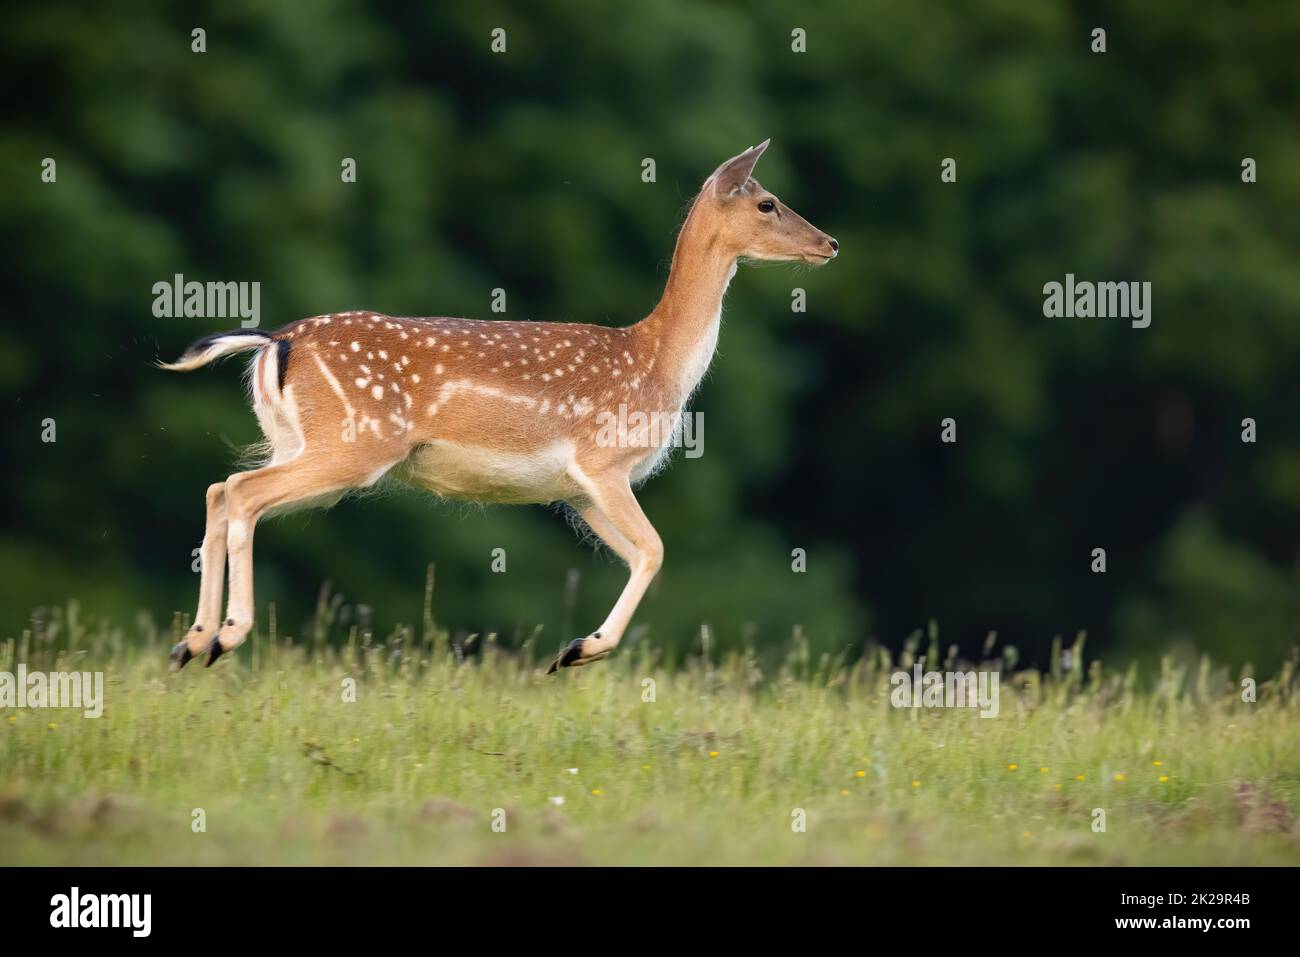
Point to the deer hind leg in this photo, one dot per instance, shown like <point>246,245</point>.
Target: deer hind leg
<point>302,481</point>
<point>615,516</point>
<point>212,576</point>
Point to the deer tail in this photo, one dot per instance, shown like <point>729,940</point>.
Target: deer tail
<point>216,346</point>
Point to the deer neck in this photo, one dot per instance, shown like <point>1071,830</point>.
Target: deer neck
<point>682,331</point>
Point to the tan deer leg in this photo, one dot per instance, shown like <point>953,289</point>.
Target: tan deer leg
<point>212,577</point>
<point>616,511</point>
<point>607,533</point>
<point>249,496</point>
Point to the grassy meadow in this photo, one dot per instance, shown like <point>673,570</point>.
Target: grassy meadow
<point>466,753</point>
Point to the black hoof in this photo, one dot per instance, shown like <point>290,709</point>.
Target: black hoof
<point>570,656</point>
<point>215,651</point>
<point>180,655</point>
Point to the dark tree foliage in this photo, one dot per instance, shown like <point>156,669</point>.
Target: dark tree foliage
<point>522,170</point>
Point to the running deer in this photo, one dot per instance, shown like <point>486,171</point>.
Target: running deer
<point>489,411</point>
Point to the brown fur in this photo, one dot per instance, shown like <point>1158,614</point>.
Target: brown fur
<point>496,411</point>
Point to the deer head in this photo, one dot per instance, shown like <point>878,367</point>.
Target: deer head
<point>750,222</point>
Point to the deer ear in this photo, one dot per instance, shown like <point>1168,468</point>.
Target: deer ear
<point>731,176</point>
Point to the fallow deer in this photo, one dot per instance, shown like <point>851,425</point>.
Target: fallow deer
<point>490,411</point>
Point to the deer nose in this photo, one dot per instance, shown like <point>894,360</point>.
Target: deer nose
<point>834,244</point>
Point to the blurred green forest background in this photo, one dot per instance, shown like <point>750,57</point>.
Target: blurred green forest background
<point>522,170</point>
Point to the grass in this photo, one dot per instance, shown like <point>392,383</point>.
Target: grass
<point>442,741</point>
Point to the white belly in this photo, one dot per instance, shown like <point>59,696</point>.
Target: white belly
<point>483,475</point>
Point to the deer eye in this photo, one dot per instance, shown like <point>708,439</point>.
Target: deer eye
<point>766,206</point>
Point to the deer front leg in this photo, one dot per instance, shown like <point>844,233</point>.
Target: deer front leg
<point>607,533</point>
<point>212,575</point>
<point>615,516</point>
